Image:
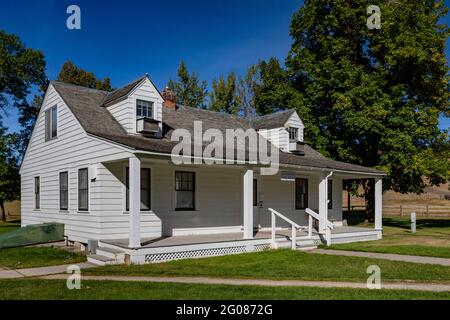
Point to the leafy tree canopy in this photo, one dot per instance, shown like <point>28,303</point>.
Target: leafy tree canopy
<point>370,97</point>
<point>70,73</point>
<point>20,69</point>
<point>224,96</point>
<point>188,89</point>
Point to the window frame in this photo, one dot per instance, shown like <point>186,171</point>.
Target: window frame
<point>147,116</point>
<point>330,194</point>
<point>83,209</point>
<point>66,208</point>
<point>306,194</point>
<point>51,114</point>
<point>37,193</point>
<point>127,189</point>
<point>194,188</point>
<point>255,192</point>
<point>290,131</point>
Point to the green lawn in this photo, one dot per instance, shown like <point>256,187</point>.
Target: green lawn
<point>8,226</point>
<point>284,264</point>
<point>432,238</point>
<point>29,257</point>
<point>104,290</point>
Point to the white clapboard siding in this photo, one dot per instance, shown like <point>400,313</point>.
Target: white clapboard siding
<point>279,137</point>
<point>71,150</point>
<point>294,121</point>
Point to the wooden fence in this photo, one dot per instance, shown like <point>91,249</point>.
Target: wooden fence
<point>420,210</point>
<point>405,210</point>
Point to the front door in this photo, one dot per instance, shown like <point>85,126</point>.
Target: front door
<point>256,203</point>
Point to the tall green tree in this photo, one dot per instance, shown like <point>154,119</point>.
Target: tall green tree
<point>20,69</point>
<point>375,96</point>
<point>224,96</point>
<point>9,171</point>
<point>188,89</point>
<point>70,73</point>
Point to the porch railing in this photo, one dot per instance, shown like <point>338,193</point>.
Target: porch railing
<point>294,228</point>
<point>328,225</point>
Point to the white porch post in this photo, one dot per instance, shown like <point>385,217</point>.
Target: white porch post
<point>135,201</point>
<point>378,203</point>
<point>323,203</point>
<point>248,203</point>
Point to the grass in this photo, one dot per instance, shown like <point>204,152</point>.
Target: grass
<point>432,238</point>
<point>30,257</point>
<point>104,290</point>
<point>9,226</point>
<point>284,264</point>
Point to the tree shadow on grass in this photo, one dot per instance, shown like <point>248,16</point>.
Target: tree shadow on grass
<point>421,223</point>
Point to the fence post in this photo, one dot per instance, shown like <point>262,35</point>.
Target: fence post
<point>401,210</point>
<point>413,222</point>
<point>428,212</point>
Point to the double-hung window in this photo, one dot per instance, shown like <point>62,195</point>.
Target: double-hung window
<point>146,201</point>
<point>51,123</point>
<point>144,109</point>
<point>64,190</point>
<point>293,134</point>
<point>301,194</point>
<point>184,190</point>
<point>37,192</point>
<point>83,189</point>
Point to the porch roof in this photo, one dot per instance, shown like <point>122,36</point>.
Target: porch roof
<point>87,105</point>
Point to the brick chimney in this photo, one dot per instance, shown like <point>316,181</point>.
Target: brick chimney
<point>169,98</point>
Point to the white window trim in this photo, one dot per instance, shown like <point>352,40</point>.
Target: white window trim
<point>49,110</point>
<point>68,191</point>
<point>124,188</point>
<point>78,190</point>
<point>196,191</point>
<point>34,193</point>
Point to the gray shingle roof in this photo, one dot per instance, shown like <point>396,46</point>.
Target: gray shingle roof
<point>88,107</point>
<point>122,92</point>
<point>272,121</point>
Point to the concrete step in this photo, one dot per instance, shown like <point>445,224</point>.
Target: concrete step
<point>100,260</point>
<point>111,253</point>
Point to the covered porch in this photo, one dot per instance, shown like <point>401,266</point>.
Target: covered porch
<point>302,197</point>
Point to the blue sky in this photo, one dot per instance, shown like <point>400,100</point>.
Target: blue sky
<point>125,39</point>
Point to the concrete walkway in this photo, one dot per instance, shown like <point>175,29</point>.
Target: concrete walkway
<point>256,282</point>
<point>385,256</point>
<point>42,271</point>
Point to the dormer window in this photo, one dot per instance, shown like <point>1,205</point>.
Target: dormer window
<point>144,109</point>
<point>293,134</point>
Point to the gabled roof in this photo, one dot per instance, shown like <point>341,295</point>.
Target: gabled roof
<point>272,121</point>
<point>88,107</point>
<point>122,92</point>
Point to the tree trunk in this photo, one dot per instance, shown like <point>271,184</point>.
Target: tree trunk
<point>3,212</point>
<point>369,196</point>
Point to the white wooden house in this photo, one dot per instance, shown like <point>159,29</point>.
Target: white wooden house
<point>100,163</point>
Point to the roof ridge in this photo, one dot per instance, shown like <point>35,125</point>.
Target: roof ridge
<point>76,85</point>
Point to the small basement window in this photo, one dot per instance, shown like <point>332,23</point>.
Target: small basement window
<point>144,109</point>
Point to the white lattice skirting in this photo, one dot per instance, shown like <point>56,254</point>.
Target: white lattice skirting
<point>163,257</point>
